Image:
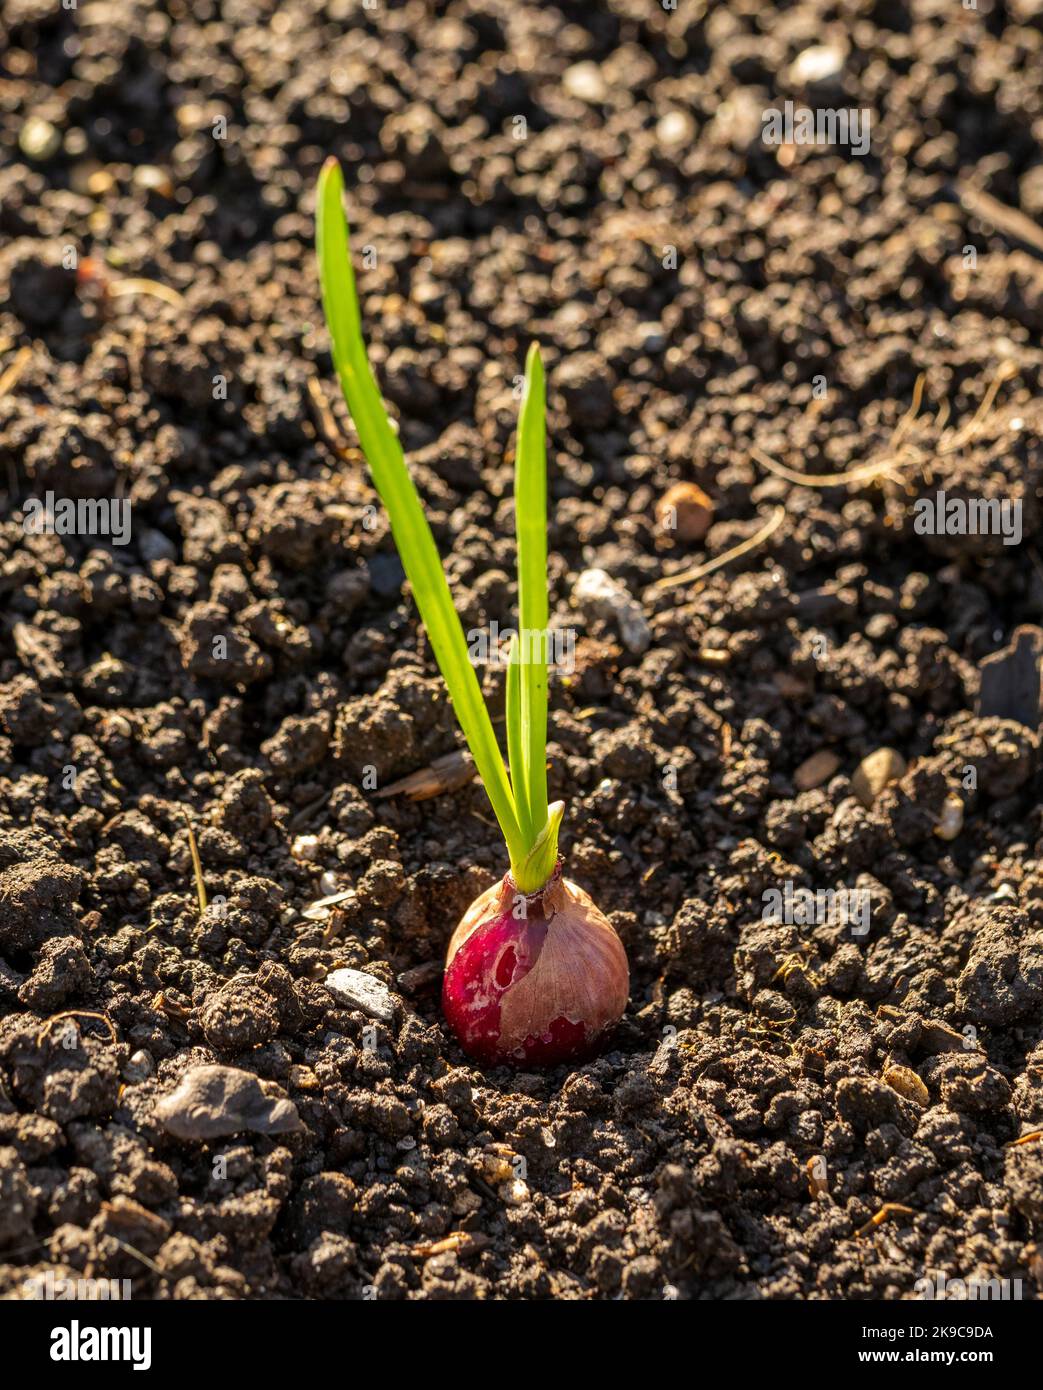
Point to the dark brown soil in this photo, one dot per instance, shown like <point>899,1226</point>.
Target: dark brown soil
<point>772,1088</point>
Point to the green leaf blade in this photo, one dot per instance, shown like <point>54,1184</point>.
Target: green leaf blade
<point>530,511</point>
<point>515,746</point>
<point>416,545</point>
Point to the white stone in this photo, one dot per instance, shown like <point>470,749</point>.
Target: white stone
<point>585,82</point>
<point>357,990</point>
<point>599,594</point>
<point>817,64</point>
<point>675,128</point>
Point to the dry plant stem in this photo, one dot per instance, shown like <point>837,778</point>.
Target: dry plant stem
<point>701,571</point>
<point>855,475</point>
<point>1010,221</point>
<point>135,1253</point>
<point>956,439</point>
<point>445,774</point>
<point>878,1218</point>
<point>328,424</point>
<point>167,293</point>
<point>966,433</point>
<point>905,423</point>
<point>75,1013</point>
<point>197,867</point>
<point>12,373</point>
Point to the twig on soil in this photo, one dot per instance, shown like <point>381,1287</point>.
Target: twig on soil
<point>197,867</point>
<point>320,909</point>
<point>905,423</point>
<point>456,1240</point>
<point>1010,221</point>
<point>306,812</point>
<point>888,1209</point>
<point>853,475</point>
<point>155,288</point>
<point>901,455</point>
<point>331,431</point>
<point>137,1255</point>
<point>12,373</point>
<point>445,774</point>
<point>1032,1137</point>
<point>701,571</point>
<point>76,1013</point>
<point>9,380</point>
<point>170,1008</point>
<point>966,433</point>
<point>480,1185</point>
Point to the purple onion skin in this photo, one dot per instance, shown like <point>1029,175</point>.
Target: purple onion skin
<point>578,985</point>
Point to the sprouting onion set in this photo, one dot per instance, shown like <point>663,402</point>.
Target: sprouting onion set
<point>535,973</point>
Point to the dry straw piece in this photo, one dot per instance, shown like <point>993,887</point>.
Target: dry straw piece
<point>701,571</point>
<point>900,455</point>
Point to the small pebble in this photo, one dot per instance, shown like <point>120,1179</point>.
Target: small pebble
<point>209,1102</point>
<point>816,770</point>
<point>875,772</point>
<point>357,990</point>
<point>950,822</point>
<point>150,179</point>
<point>306,847</point>
<point>906,1082</point>
<point>39,139</point>
<point>1005,893</point>
<point>651,337</point>
<point>303,1078</point>
<point>817,1169</point>
<point>819,63</point>
<point>674,129</point>
<point>936,1036</point>
<point>601,596</point>
<point>585,82</point>
<point>685,511</point>
<point>138,1066</point>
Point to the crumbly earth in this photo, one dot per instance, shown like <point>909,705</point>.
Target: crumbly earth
<point>591,174</point>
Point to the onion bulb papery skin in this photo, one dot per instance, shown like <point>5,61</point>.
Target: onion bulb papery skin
<point>534,979</point>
